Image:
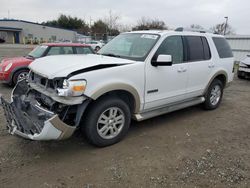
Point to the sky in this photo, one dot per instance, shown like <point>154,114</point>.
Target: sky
<point>175,13</point>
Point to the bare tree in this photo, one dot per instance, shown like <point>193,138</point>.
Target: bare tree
<point>220,29</point>
<point>112,22</point>
<point>148,23</point>
<point>196,26</point>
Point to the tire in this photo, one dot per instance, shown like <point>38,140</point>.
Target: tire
<point>97,48</point>
<point>19,75</point>
<point>102,129</point>
<point>213,95</point>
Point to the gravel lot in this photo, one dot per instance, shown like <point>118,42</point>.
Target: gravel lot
<point>188,148</point>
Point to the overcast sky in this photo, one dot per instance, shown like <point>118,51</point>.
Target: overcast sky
<point>174,12</point>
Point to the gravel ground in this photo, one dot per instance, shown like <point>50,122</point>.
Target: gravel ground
<point>188,148</point>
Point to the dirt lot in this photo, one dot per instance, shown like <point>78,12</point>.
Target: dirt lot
<point>188,148</point>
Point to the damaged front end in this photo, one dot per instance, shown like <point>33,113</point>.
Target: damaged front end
<point>35,116</point>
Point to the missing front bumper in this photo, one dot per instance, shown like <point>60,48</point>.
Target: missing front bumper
<point>29,120</point>
<point>22,124</point>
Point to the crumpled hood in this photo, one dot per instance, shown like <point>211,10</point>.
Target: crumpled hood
<point>63,65</point>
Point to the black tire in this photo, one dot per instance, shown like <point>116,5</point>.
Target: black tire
<point>97,48</point>
<point>18,74</point>
<point>210,104</point>
<point>90,124</point>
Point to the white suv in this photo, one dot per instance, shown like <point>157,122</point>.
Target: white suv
<point>137,75</point>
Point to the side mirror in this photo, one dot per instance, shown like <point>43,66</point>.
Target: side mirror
<point>162,60</point>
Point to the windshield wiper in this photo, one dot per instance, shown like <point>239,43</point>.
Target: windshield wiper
<point>111,55</point>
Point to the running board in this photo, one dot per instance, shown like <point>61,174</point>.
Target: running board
<point>167,109</point>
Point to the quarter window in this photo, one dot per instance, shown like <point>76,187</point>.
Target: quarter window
<point>171,46</point>
<point>222,47</point>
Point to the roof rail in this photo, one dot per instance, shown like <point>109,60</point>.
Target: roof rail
<point>181,29</point>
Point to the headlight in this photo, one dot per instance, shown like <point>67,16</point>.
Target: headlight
<point>72,88</point>
<point>242,64</point>
<point>8,67</point>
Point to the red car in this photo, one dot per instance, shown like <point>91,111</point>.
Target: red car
<point>14,69</point>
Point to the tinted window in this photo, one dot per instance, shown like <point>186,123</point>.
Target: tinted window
<point>83,50</point>
<point>194,48</point>
<point>172,46</point>
<point>60,50</point>
<point>206,49</point>
<point>222,47</point>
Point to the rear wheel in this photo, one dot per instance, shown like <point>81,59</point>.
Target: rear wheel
<point>107,121</point>
<point>19,75</point>
<point>213,95</point>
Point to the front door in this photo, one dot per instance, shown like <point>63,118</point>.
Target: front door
<point>166,84</point>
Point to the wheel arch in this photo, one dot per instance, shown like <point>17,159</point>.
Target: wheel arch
<point>123,91</point>
<point>220,75</point>
<point>15,70</point>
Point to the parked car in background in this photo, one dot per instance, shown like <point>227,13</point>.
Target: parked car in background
<point>244,68</point>
<point>14,69</point>
<point>96,45</point>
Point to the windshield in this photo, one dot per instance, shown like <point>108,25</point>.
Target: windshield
<point>135,46</point>
<point>38,51</point>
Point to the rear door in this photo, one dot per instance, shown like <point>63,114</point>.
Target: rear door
<point>200,64</point>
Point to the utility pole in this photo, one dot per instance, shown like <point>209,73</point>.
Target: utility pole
<point>226,25</point>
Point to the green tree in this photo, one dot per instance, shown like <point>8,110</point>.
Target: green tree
<point>68,22</point>
<point>99,27</point>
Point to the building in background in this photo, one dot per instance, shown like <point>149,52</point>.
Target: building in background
<point>20,31</point>
<point>240,45</point>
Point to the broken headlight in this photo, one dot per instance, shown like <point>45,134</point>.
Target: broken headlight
<point>72,88</point>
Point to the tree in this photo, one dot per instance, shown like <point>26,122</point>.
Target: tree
<point>69,22</point>
<point>112,22</point>
<point>220,29</point>
<point>99,27</point>
<point>147,24</point>
<point>196,26</point>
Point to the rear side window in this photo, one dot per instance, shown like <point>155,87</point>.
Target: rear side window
<point>60,50</point>
<point>83,50</point>
<point>222,47</point>
<point>194,48</point>
<point>197,48</point>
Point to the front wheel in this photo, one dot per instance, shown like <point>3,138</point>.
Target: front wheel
<point>19,75</point>
<point>213,95</point>
<point>107,121</point>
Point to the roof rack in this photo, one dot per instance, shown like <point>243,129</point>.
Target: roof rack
<point>181,29</point>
